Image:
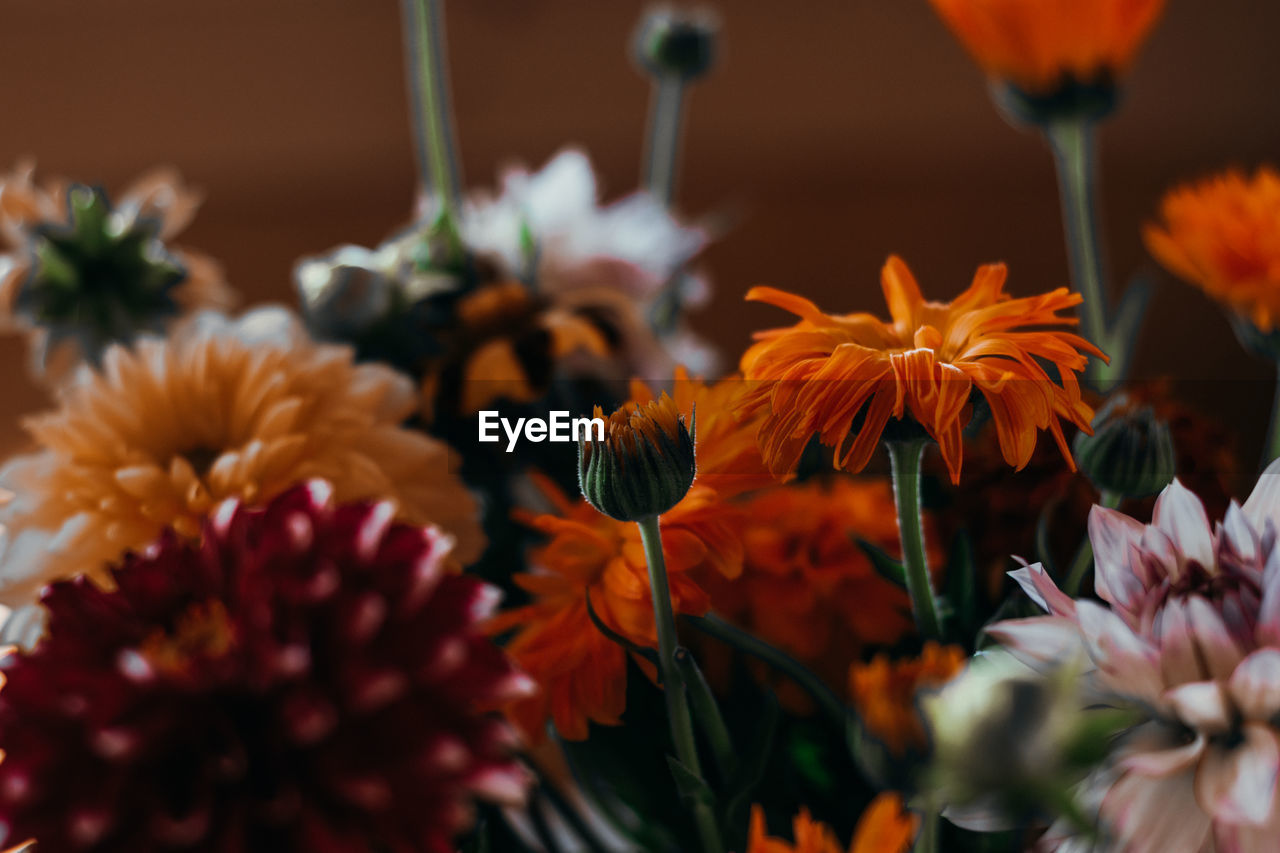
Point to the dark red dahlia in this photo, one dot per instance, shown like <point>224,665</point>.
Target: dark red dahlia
<point>307,678</point>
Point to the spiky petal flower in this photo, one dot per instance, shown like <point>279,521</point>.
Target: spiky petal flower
<point>1190,632</point>
<point>885,827</point>
<point>843,377</point>
<point>84,272</point>
<point>224,408</point>
<point>308,677</point>
<point>885,693</point>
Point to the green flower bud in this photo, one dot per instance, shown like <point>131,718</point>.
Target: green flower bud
<point>1131,450</point>
<point>678,43</point>
<point>643,465</point>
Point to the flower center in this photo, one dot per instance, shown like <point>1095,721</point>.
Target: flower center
<point>202,631</point>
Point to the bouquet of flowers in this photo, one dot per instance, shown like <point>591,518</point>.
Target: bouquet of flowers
<point>478,547</point>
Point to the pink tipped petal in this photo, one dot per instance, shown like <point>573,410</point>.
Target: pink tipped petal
<point>1238,535</point>
<point>1264,503</point>
<point>1202,705</point>
<point>1156,817</point>
<point>1181,516</point>
<point>1040,641</point>
<point>1130,664</point>
<point>1255,685</point>
<point>1267,629</point>
<point>1179,662</point>
<point>1157,749</point>
<point>1041,589</point>
<point>1238,784</point>
<point>1217,648</point>
<point>1113,534</point>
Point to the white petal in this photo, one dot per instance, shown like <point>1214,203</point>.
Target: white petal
<point>1112,535</point>
<point>1130,664</point>
<point>1202,705</point>
<point>1220,652</point>
<point>1238,784</point>
<point>1158,749</point>
<point>1156,815</point>
<point>1239,535</point>
<point>1255,685</point>
<point>1041,589</point>
<point>1179,662</point>
<point>1264,502</point>
<point>1180,515</point>
<point>1039,642</point>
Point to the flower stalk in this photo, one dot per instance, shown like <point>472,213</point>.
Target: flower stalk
<point>678,716</point>
<point>904,460</point>
<point>432,113</point>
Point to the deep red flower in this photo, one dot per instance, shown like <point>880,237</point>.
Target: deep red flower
<point>308,677</point>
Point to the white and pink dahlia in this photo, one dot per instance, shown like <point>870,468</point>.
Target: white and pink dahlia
<point>1188,630</point>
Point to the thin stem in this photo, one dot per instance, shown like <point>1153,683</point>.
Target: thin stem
<point>673,683</point>
<point>904,461</point>
<point>1084,556</point>
<point>1073,143</point>
<point>433,125</point>
<point>662,148</point>
<point>930,824</point>
<point>708,713</point>
<point>1272,450</point>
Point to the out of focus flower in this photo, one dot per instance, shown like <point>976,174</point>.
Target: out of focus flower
<point>1130,453</point>
<point>1221,234</point>
<point>642,465</point>
<point>842,377</point>
<point>1045,46</point>
<point>307,677</point>
<point>885,827</point>
<point>83,272</point>
<point>554,286</point>
<point>244,409</point>
<point>1190,634</point>
<point>806,585</point>
<point>884,693</point>
<point>582,671</point>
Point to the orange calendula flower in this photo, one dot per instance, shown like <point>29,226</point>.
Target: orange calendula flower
<point>806,586</point>
<point>842,377</point>
<point>1042,45</point>
<point>1222,234</point>
<point>582,672</point>
<point>884,693</point>
<point>883,828</point>
<point>223,409</point>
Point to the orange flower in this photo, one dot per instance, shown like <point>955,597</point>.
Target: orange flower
<point>883,828</point>
<point>581,671</point>
<point>222,409</point>
<point>829,372</point>
<point>1223,235</point>
<point>884,693</point>
<point>1041,45</point>
<point>806,586</point>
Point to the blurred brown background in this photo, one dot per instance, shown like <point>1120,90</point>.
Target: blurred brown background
<point>834,132</point>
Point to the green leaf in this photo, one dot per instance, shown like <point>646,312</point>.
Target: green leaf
<point>692,788</point>
<point>887,567</point>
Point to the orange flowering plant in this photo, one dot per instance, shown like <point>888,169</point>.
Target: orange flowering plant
<point>268,581</point>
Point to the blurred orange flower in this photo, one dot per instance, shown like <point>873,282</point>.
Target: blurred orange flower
<point>222,409</point>
<point>883,828</point>
<point>582,672</point>
<point>1222,234</point>
<point>842,377</point>
<point>1041,45</point>
<point>806,586</point>
<point>884,693</point>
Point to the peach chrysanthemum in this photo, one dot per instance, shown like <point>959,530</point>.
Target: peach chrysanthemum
<point>581,671</point>
<point>1222,234</point>
<point>884,693</point>
<point>1040,45</point>
<point>883,828</point>
<point>222,409</point>
<point>842,377</point>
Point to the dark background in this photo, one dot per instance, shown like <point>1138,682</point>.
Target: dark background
<point>834,132</point>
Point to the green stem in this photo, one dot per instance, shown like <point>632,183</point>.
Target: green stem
<point>708,713</point>
<point>1084,556</point>
<point>437,164</point>
<point>662,148</point>
<point>673,683</point>
<point>930,826</point>
<point>1073,143</point>
<point>1272,450</point>
<point>904,461</point>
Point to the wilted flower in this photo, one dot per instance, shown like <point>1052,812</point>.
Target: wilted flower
<point>1047,46</point>
<point>1191,635</point>
<point>84,272</point>
<point>885,693</point>
<point>244,409</point>
<point>842,377</point>
<point>883,828</point>
<point>1221,234</point>
<point>306,677</point>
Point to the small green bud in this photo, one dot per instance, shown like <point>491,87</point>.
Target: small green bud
<point>1131,451</point>
<point>678,43</point>
<point>643,465</point>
